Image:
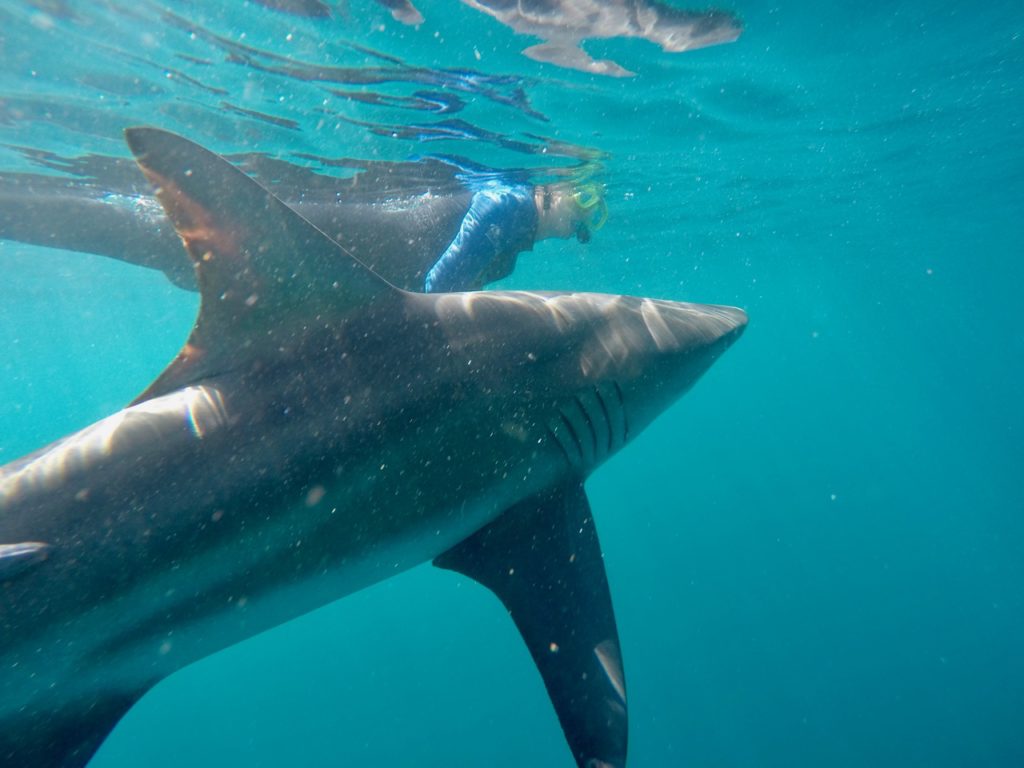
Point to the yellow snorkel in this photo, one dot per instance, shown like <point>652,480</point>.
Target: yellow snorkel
<point>583,209</point>
<point>589,195</point>
<point>590,198</point>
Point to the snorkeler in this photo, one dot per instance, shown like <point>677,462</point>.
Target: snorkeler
<point>427,226</point>
<point>506,218</point>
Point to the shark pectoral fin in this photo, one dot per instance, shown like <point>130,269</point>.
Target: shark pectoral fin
<point>65,735</point>
<point>543,560</point>
<point>15,558</point>
<point>266,275</point>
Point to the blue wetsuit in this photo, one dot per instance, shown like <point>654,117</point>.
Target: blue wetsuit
<point>501,222</point>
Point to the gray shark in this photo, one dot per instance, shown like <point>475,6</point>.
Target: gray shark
<point>320,431</point>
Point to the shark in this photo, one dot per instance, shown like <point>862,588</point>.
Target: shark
<point>319,431</point>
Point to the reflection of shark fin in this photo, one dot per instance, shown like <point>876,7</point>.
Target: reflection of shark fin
<point>264,272</point>
<point>543,560</point>
<point>569,54</point>
<point>403,11</point>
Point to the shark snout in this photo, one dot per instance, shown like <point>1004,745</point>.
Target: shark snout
<point>680,327</point>
<point>674,344</point>
<point>733,317</point>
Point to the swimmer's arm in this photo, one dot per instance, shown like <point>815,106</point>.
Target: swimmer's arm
<point>475,246</point>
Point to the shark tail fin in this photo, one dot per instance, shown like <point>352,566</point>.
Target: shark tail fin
<point>266,275</point>
<point>65,736</point>
<point>543,560</point>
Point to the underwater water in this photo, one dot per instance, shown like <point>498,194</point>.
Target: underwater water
<point>816,557</point>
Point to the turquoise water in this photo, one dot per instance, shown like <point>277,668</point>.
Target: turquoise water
<point>816,557</point>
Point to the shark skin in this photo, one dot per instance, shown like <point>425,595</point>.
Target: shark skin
<point>320,431</point>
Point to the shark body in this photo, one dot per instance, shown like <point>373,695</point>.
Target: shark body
<point>322,430</point>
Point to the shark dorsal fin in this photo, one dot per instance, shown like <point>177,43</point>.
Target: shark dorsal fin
<point>264,272</point>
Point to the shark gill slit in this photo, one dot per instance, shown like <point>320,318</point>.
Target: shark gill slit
<point>576,438</point>
<point>622,407</point>
<point>607,418</point>
<point>590,425</point>
<point>553,434</point>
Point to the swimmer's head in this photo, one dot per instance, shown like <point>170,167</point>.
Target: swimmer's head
<point>568,209</point>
